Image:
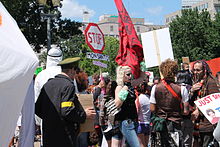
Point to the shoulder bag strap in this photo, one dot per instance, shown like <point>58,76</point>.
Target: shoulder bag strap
<point>176,96</point>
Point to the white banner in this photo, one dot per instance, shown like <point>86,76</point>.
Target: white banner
<point>17,65</point>
<point>156,46</point>
<point>98,56</point>
<point>27,130</point>
<point>210,107</point>
<point>98,63</point>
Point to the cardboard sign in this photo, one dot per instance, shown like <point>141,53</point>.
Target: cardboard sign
<point>185,60</point>
<point>97,56</point>
<point>210,107</point>
<point>86,101</point>
<point>157,47</point>
<point>98,63</point>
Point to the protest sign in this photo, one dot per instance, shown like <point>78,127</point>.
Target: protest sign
<point>157,47</point>
<point>209,106</point>
<point>98,56</point>
<point>95,38</point>
<point>100,64</point>
<point>86,101</point>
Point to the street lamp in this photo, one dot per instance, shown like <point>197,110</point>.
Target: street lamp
<point>51,8</point>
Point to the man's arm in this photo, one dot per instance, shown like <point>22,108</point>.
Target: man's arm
<point>70,107</point>
<point>185,100</point>
<point>153,100</point>
<point>152,107</point>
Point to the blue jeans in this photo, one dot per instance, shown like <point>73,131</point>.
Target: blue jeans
<point>127,128</point>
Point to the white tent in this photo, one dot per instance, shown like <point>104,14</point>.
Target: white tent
<point>17,65</point>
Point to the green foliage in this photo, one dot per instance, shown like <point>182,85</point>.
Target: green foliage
<point>194,34</point>
<point>27,15</point>
<point>65,30</point>
<point>111,49</point>
<point>73,46</point>
<point>76,46</point>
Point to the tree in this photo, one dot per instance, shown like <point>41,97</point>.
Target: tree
<point>76,46</point>
<point>193,35</point>
<point>66,29</point>
<point>111,49</point>
<point>27,15</point>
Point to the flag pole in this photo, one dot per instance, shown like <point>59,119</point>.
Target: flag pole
<point>157,51</point>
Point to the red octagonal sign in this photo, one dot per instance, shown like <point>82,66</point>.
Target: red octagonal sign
<point>94,38</point>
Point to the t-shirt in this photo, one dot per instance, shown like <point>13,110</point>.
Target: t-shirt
<point>144,109</point>
<point>184,94</point>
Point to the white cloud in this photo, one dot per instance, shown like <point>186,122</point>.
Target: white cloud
<point>73,10</point>
<point>155,10</point>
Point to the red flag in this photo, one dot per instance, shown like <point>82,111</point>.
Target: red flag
<point>130,52</point>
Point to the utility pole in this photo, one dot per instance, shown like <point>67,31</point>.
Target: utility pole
<point>51,6</point>
<point>48,17</point>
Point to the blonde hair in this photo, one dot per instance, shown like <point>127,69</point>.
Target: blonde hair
<point>120,71</point>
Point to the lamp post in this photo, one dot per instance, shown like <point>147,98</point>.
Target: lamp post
<point>50,6</point>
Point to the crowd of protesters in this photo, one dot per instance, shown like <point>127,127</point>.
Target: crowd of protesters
<point>126,111</point>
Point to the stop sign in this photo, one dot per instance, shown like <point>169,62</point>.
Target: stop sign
<point>94,38</point>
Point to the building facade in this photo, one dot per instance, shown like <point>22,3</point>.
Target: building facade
<point>109,25</point>
<point>187,4</point>
<point>212,6</point>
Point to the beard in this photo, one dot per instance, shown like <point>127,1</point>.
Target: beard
<point>198,77</point>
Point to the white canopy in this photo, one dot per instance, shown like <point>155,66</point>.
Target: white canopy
<point>17,65</point>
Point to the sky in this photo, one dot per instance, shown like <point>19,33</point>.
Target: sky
<point>153,11</point>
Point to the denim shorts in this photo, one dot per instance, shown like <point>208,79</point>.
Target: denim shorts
<point>143,129</point>
<point>114,133</point>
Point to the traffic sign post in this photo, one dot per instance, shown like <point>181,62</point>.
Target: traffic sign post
<point>94,38</point>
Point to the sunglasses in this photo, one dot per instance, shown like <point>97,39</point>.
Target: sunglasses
<point>198,70</point>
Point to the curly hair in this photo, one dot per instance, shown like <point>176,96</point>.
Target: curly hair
<point>169,69</point>
<point>120,71</point>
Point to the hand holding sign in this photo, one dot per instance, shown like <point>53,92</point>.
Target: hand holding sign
<point>209,106</point>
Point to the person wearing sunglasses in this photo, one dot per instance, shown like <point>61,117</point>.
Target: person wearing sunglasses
<point>125,100</point>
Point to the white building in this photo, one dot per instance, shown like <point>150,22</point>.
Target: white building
<point>109,25</point>
<point>187,4</point>
<point>212,6</point>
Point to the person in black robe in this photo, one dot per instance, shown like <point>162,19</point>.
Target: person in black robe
<point>60,109</point>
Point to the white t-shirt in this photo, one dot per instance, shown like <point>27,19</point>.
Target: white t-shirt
<point>144,109</point>
<point>184,94</point>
